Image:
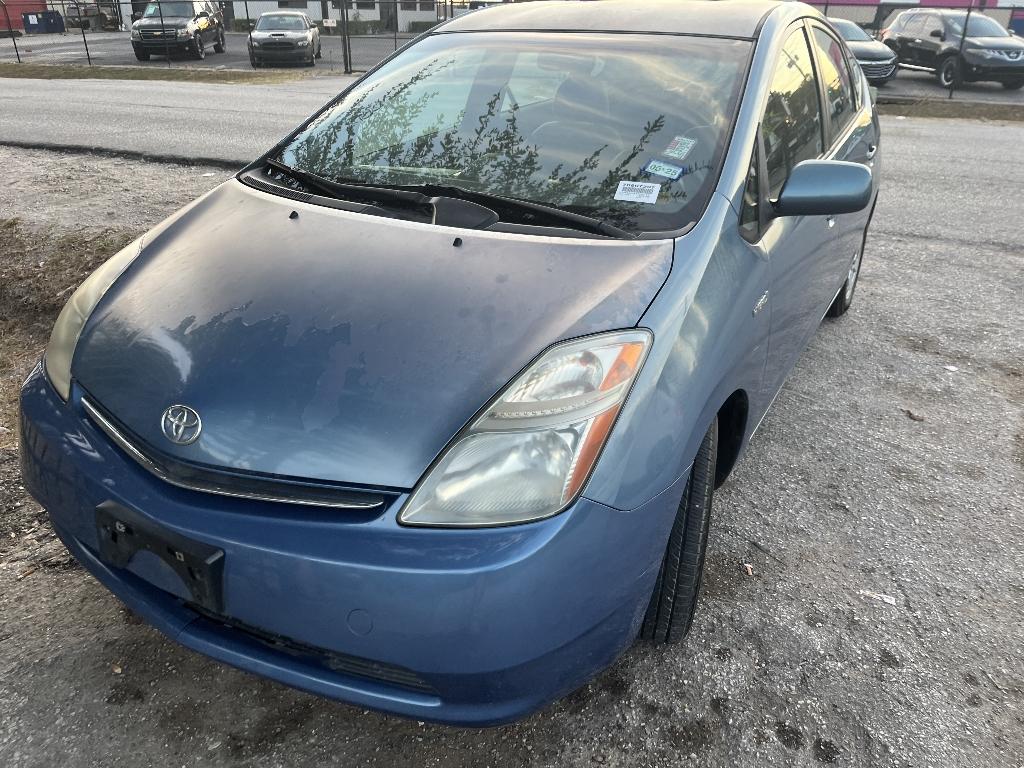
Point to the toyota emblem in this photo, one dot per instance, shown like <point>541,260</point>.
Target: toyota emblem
<point>181,425</point>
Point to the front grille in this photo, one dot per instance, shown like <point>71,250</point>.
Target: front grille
<point>279,45</point>
<point>234,484</point>
<point>342,663</point>
<point>156,34</point>
<point>877,69</point>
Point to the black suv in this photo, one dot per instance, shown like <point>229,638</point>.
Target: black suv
<point>176,26</point>
<point>930,39</point>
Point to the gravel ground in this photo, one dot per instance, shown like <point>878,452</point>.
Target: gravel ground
<point>880,507</point>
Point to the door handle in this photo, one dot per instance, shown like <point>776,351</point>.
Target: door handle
<point>871,151</point>
<point>831,221</point>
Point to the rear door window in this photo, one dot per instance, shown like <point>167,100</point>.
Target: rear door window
<point>791,126</point>
<point>835,76</point>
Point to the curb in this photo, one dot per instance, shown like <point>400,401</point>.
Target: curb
<point>82,149</point>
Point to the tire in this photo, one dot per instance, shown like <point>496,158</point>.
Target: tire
<point>948,71</point>
<point>674,600</point>
<point>1014,85</point>
<point>198,48</point>
<point>252,60</point>
<point>221,44</point>
<point>844,298</point>
<point>141,55</point>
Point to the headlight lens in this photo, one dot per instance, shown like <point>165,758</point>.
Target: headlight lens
<point>183,32</point>
<point>530,452</point>
<point>136,35</point>
<point>71,320</point>
<point>303,43</point>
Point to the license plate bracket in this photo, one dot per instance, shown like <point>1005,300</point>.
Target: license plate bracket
<point>123,532</point>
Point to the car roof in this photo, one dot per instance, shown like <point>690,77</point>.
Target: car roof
<point>720,18</point>
<point>282,13</point>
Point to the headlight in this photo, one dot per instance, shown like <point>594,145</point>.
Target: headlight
<point>255,43</point>
<point>183,32</point>
<point>302,43</point>
<point>83,301</point>
<point>530,452</point>
<point>136,35</point>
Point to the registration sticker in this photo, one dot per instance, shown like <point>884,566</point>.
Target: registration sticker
<point>679,148</point>
<point>669,171</point>
<point>638,192</point>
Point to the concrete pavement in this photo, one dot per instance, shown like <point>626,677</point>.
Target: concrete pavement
<point>115,48</point>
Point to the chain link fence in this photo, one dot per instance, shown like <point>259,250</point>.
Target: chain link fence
<point>350,35</point>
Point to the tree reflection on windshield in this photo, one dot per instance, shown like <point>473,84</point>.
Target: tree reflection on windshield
<point>557,138</point>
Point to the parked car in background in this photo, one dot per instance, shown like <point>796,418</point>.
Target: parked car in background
<point>425,408</point>
<point>284,37</point>
<point>178,26</point>
<point>877,61</point>
<point>930,39</point>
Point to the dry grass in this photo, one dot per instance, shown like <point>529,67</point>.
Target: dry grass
<point>176,73</point>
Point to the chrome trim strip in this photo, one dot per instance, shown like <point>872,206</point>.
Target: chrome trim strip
<point>148,464</point>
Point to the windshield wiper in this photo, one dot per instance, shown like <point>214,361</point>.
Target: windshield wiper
<point>573,220</point>
<point>478,204</point>
<point>349,189</point>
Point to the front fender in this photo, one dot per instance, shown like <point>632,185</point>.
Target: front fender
<point>708,343</point>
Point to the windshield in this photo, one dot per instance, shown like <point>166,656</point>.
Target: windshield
<point>293,23</point>
<point>626,128</point>
<point>978,26</point>
<point>179,10</point>
<point>849,30</point>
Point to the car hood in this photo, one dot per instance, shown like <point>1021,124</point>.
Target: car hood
<point>337,346</point>
<point>155,22</point>
<point>995,43</point>
<point>278,34</point>
<point>870,50</point>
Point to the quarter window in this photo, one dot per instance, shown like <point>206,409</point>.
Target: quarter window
<point>792,118</point>
<point>750,212</point>
<point>836,78</point>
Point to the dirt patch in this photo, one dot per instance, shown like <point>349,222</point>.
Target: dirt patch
<point>945,108</point>
<point>177,74</point>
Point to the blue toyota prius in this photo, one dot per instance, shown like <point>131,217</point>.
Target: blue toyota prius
<point>423,410</point>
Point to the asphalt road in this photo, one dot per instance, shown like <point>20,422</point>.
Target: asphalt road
<point>115,48</point>
<point>226,123</point>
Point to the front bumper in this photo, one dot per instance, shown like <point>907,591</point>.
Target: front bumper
<point>173,44</point>
<point>280,55</point>
<point>488,625</point>
<point>997,68</point>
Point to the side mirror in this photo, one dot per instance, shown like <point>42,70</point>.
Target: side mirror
<point>937,33</point>
<point>824,187</point>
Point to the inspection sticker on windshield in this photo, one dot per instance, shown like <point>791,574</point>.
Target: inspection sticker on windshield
<point>638,192</point>
<point>669,171</point>
<point>679,148</point>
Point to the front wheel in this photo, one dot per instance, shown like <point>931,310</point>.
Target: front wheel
<point>948,71</point>
<point>674,600</point>
<point>198,47</point>
<point>1013,85</point>
<point>141,55</point>
<point>221,44</point>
